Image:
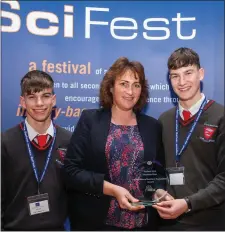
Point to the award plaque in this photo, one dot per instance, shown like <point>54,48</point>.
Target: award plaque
<point>152,176</point>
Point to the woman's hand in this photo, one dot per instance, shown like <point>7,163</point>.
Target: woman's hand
<point>122,195</point>
<point>125,199</point>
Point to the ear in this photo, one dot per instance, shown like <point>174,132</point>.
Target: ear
<point>22,102</point>
<point>111,90</point>
<point>201,73</point>
<point>53,100</point>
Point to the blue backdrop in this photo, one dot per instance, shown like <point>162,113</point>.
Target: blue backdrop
<point>76,42</point>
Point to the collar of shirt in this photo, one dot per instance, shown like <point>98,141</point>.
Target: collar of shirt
<point>194,109</point>
<point>32,133</point>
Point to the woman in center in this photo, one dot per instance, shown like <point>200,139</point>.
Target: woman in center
<point>106,149</point>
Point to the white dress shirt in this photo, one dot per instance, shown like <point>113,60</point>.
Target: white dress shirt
<point>32,133</point>
<point>194,109</point>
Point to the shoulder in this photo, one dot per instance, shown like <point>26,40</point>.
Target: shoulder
<point>216,111</point>
<point>89,113</point>
<point>167,114</point>
<point>94,115</point>
<point>148,121</point>
<point>215,114</point>
<point>63,132</point>
<point>217,108</point>
<point>146,118</point>
<point>11,134</point>
<point>94,112</point>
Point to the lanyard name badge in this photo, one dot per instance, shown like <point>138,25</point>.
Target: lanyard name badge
<point>39,203</point>
<point>176,174</point>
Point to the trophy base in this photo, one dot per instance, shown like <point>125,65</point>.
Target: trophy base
<point>144,202</point>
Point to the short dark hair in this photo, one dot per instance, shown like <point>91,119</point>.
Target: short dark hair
<point>183,57</point>
<point>35,81</point>
<point>119,67</point>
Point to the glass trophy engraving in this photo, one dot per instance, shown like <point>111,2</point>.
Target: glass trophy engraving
<point>152,176</point>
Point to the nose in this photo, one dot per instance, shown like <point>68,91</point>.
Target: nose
<point>181,80</point>
<point>129,90</point>
<point>39,101</point>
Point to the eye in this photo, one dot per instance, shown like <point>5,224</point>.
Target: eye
<point>137,86</point>
<point>47,96</point>
<point>123,84</point>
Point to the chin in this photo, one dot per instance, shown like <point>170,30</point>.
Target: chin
<point>41,119</point>
<point>128,107</point>
<point>184,97</point>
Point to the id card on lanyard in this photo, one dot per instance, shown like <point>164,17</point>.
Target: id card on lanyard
<point>176,174</point>
<point>39,203</point>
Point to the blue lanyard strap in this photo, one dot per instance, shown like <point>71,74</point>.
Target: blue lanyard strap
<point>32,156</point>
<point>178,153</point>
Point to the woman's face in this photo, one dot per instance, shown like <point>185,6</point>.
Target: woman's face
<point>126,91</point>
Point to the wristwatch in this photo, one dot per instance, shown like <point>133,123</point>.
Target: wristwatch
<point>188,204</point>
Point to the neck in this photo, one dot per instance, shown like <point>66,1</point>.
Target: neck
<point>187,104</point>
<point>123,117</point>
<point>40,127</point>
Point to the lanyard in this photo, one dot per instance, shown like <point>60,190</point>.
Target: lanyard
<point>178,153</point>
<point>39,180</point>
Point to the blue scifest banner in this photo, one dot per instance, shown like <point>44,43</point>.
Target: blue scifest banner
<point>76,42</point>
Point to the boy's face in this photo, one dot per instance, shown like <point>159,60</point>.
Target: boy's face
<point>39,105</point>
<point>186,81</point>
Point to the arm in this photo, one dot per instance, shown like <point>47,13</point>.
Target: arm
<point>214,193</point>
<point>160,157</point>
<point>3,187</point>
<point>77,176</point>
<point>88,181</point>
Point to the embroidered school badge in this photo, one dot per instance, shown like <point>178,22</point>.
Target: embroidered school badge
<point>208,132</point>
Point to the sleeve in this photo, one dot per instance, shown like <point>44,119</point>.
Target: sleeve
<point>214,193</point>
<point>160,147</point>
<point>78,177</point>
<point>160,158</point>
<point>3,182</point>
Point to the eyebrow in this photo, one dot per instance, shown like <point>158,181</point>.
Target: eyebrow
<point>191,69</point>
<point>173,74</point>
<point>129,82</point>
<point>188,70</point>
<point>32,94</point>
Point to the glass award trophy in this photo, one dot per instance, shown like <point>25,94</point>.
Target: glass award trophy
<point>152,177</point>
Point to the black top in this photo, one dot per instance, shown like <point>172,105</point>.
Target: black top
<point>87,168</point>
<point>19,182</point>
<point>204,162</point>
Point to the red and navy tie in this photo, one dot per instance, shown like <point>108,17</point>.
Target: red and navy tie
<point>186,114</point>
<point>42,140</point>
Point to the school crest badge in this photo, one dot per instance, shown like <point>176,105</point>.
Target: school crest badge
<point>209,132</point>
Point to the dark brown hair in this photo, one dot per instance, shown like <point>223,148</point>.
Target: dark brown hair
<point>119,67</point>
<point>183,57</point>
<point>35,81</point>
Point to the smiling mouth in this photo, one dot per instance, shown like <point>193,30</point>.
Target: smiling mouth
<point>40,111</point>
<point>128,98</point>
<point>184,89</point>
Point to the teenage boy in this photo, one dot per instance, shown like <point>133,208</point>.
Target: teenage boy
<point>33,193</point>
<point>194,142</point>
